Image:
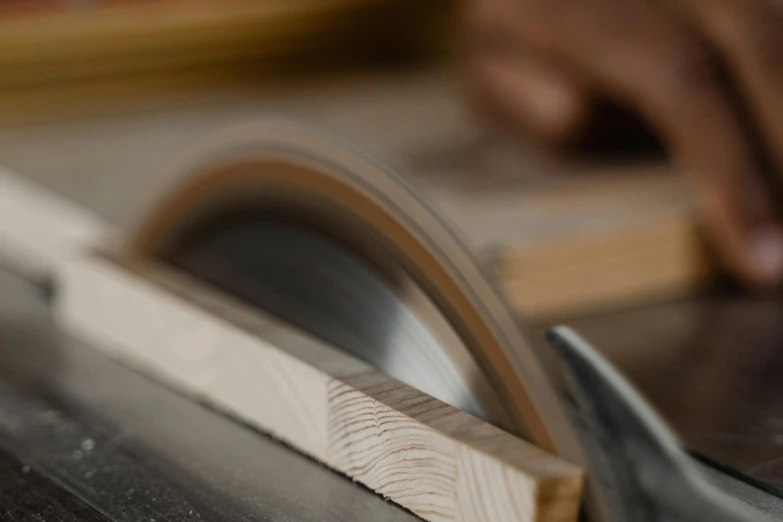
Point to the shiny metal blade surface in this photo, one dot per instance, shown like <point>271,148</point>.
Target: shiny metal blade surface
<point>321,234</point>
<point>635,458</point>
<point>712,366</point>
<point>312,283</point>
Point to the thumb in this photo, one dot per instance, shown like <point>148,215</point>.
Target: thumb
<point>528,94</point>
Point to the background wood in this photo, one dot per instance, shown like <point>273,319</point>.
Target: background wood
<point>431,458</point>
<point>62,43</point>
<point>566,238</point>
<point>658,258</point>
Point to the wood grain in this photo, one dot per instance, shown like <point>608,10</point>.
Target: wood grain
<point>657,259</point>
<point>439,462</point>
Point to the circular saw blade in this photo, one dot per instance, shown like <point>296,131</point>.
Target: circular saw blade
<point>306,227</point>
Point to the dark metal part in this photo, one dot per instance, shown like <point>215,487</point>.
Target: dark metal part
<point>712,367</point>
<point>635,461</point>
<point>104,441</point>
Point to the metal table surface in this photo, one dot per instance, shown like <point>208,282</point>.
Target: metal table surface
<point>84,438</point>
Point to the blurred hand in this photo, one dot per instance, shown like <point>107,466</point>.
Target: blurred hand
<point>541,62</point>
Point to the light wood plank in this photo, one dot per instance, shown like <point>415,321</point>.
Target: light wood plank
<point>437,461</point>
<point>38,230</point>
<point>659,258</point>
<point>567,239</point>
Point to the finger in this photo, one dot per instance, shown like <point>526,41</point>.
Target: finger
<point>515,84</point>
<point>528,95</point>
<point>749,35</point>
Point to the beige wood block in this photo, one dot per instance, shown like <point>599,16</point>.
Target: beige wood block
<point>661,258</point>
<point>38,229</point>
<point>259,383</point>
<point>392,453</point>
<point>451,466</point>
<point>494,491</point>
<point>141,324</point>
<point>435,460</point>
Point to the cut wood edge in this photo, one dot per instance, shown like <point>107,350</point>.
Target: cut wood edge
<point>663,258</point>
<point>439,462</point>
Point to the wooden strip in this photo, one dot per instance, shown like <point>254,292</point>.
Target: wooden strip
<point>564,244</point>
<point>437,461</point>
<point>38,230</point>
<point>659,259</point>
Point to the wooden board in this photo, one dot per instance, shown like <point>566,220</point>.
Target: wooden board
<point>564,238</point>
<point>441,463</point>
<point>63,42</point>
<point>39,230</point>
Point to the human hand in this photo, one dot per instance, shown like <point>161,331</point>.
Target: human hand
<point>541,63</point>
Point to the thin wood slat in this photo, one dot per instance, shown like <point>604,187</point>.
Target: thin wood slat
<point>38,229</point>
<point>437,461</point>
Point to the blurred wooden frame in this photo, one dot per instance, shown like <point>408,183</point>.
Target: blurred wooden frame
<point>43,45</point>
<point>563,240</point>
